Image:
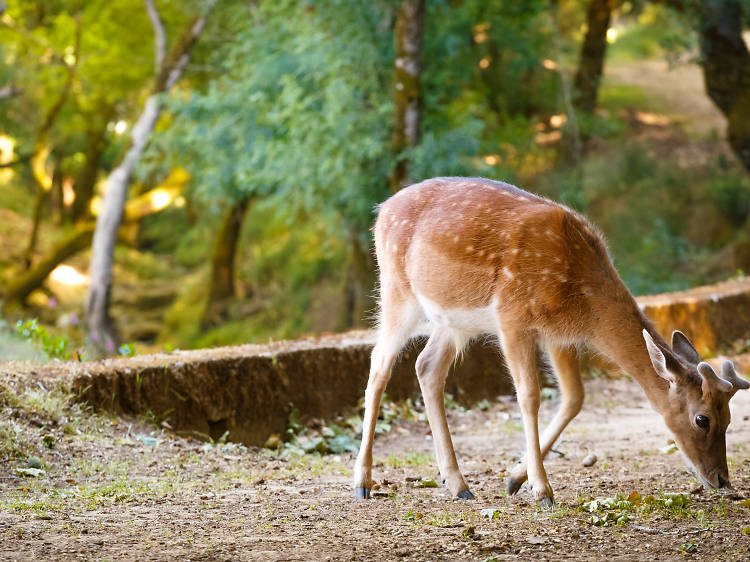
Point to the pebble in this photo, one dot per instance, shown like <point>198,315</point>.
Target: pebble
<point>589,460</point>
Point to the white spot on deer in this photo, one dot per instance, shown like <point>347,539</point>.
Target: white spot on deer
<point>507,273</point>
<point>480,253</point>
<point>538,254</point>
<point>545,271</point>
<point>514,251</point>
<point>455,238</point>
<point>548,232</point>
<point>557,259</point>
<point>469,249</point>
<point>522,198</point>
<point>562,278</point>
<point>491,256</point>
<point>395,248</point>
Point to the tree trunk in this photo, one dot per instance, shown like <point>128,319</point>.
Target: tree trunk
<point>101,328</point>
<point>726,70</point>
<point>407,93</point>
<point>86,181</point>
<point>359,301</point>
<point>221,285</point>
<point>593,51</point>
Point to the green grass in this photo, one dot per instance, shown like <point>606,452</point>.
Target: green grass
<point>410,460</point>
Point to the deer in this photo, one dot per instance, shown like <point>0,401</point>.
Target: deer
<point>474,256</point>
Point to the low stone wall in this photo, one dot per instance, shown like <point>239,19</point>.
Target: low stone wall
<point>247,390</point>
<point>711,316</point>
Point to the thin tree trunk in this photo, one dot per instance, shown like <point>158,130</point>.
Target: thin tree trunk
<point>101,328</point>
<point>221,285</point>
<point>726,70</point>
<point>409,37</point>
<point>57,191</point>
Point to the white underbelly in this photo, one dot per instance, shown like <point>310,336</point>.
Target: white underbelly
<point>470,321</point>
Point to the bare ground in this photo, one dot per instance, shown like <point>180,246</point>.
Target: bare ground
<point>120,490</point>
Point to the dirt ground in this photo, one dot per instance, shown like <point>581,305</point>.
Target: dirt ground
<point>117,489</point>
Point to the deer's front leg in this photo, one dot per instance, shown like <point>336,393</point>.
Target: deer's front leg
<point>519,349</point>
<point>432,369</point>
<point>565,362</point>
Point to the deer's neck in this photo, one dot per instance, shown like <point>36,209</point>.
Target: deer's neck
<point>621,340</point>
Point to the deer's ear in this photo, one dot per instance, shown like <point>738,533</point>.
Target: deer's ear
<point>682,347</point>
<point>657,359</point>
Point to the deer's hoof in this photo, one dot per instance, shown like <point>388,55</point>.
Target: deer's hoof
<point>362,493</point>
<point>514,485</point>
<point>465,495</point>
<point>546,503</point>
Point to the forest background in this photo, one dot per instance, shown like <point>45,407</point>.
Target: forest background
<point>198,173</point>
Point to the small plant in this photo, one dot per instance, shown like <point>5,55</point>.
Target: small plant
<point>413,516</point>
<point>126,350</point>
<point>53,347</point>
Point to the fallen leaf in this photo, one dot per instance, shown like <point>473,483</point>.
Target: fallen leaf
<point>31,472</point>
<point>427,483</point>
<point>669,449</point>
<point>635,498</point>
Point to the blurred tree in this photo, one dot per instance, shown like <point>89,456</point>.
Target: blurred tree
<point>587,78</point>
<point>407,86</point>
<point>221,283</point>
<point>101,329</point>
<point>726,69</point>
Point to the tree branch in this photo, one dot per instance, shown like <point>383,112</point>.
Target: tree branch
<point>160,36</point>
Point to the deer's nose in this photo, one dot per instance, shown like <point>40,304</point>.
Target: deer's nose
<point>723,483</point>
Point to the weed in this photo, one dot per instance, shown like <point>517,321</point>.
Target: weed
<point>53,347</point>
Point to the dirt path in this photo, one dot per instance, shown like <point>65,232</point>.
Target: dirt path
<point>118,490</point>
<point>679,89</point>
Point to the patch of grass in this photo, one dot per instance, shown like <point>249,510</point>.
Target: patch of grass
<point>410,460</point>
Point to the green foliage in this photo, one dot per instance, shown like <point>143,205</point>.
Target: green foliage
<point>281,119</point>
<point>55,347</point>
<point>658,31</point>
<point>729,190</point>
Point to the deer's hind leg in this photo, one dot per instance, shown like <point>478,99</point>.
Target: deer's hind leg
<point>565,364</point>
<point>398,318</point>
<point>432,370</point>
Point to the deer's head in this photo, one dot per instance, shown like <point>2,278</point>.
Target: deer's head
<point>696,408</point>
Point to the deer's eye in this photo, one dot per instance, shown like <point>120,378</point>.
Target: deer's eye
<point>702,421</point>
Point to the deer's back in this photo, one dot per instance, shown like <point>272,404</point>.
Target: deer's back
<point>471,243</point>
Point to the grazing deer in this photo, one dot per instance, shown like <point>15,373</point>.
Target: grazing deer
<point>475,256</point>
